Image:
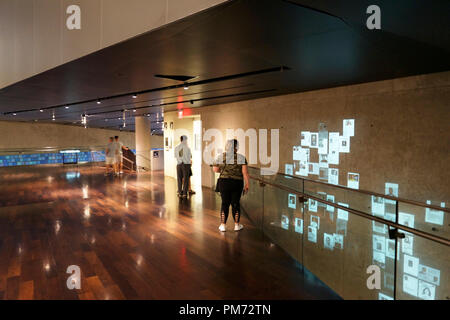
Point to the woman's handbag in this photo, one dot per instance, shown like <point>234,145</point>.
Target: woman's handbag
<point>219,181</point>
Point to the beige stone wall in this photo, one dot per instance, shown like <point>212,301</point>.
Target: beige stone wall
<point>173,135</point>
<point>16,135</point>
<point>34,36</point>
<point>157,141</point>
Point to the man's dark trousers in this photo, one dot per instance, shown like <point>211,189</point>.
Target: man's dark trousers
<point>183,178</point>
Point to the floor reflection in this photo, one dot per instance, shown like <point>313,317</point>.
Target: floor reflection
<point>132,238</point>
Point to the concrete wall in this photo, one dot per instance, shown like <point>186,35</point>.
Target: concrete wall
<point>402,136</point>
<point>157,141</point>
<point>34,36</point>
<point>37,135</point>
<point>173,134</point>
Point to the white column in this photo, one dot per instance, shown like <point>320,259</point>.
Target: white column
<point>143,146</point>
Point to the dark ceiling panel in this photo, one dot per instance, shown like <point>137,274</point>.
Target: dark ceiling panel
<point>323,44</point>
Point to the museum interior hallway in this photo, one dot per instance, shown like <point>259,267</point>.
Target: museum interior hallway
<point>133,239</point>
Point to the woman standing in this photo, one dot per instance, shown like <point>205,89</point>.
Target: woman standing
<point>233,181</point>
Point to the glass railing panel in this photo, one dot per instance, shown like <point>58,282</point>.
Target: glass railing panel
<point>423,271</point>
<point>339,246</point>
<point>253,202</point>
<point>283,220</point>
<point>285,181</point>
<point>366,203</point>
<point>429,220</point>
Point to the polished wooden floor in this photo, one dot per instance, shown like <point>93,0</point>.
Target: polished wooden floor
<point>133,239</point>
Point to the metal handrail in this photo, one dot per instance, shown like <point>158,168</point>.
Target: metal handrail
<point>413,202</point>
<point>422,234</point>
<point>125,158</point>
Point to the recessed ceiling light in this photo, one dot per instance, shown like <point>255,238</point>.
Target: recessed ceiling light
<point>98,101</point>
<point>40,110</point>
<point>134,110</point>
<point>14,114</point>
<point>134,96</point>
<point>66,107</point>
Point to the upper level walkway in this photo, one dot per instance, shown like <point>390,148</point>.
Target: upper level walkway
<point>133,239</point>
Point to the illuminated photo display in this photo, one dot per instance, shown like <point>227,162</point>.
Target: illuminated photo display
<point>333,148</point>
<point>378,206</point>
<point>338,241</point>
<point>313,168</point>
<point>341,226</point>
<point>411,265</point>
<point>289,169</point>
<point>379,227</point>
<point>328,241</point>
<point>298,225</point>
<point>315,222</point>
<point>323,173</point>
<point>407,244</point>
<point>329,145</point>
<point>434,216</point>
<point>342,214</point>
<point>391,189</point>
<point>353,180</point>
<point>389,281</point>
<point>300,154</point>
<point>379,259</point>
<point>390,248</point>
<point>305,139</point>
<point>314,140</point>
<point>323,160</point>
<point>323,146</point>
<point>344,144</point>
<point>292,201</point>
<point>429,274</point>
<point>419,281</point>
<point>333,176</point>
<point>312,205</point>
<point>322,195</point>
<point>426,291</point>
<point>323,139</point>
<point>406,219</point>
<point>285,222</point>
<point>410,285</point>
<point>379,243</point>
<point>312,234</point>
<point>330,198</point>
<point>303,171</point>
<point>349,127</point>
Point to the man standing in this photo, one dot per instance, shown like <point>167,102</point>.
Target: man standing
<point>183,156</point>
<point>110,152</point>
<point>119,160</point>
